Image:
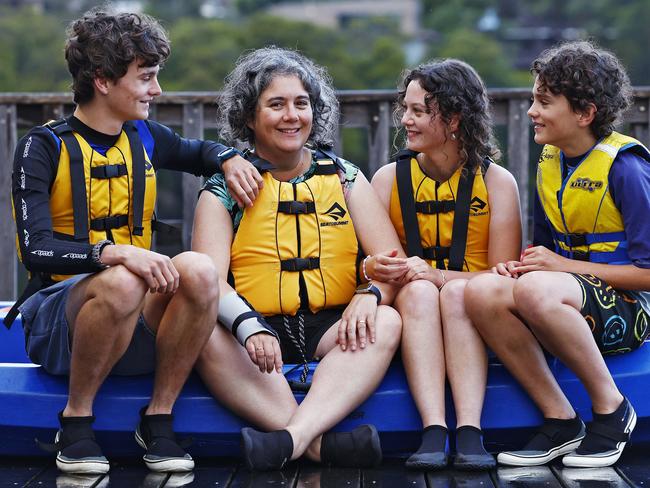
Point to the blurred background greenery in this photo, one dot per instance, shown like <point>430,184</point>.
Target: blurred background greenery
<point>364,43</point>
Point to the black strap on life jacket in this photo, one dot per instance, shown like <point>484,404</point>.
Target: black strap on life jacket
<point>407,202</point>
<point>77,178</point>
<point>323,156</point>
<point>34,284</point>
<point>138,162</point>
<point>461,217</point>
<point>461,207</point>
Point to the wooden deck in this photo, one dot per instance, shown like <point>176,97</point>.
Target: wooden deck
<point>632,470</point>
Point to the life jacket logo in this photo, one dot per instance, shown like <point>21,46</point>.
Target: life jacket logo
<point>336,212</point>
<point>477,205</point>
<point>586,184</point>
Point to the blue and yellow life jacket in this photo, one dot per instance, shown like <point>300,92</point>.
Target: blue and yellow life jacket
<point>584,220</point>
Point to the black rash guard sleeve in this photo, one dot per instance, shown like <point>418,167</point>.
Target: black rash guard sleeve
<point>177,153</point>
<point>35,164</point>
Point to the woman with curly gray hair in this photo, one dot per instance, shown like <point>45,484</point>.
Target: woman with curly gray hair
<point>457,214</point>
<point>292,259</point>
<point>583,289</point>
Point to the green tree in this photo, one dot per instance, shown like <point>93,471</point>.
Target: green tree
<point>31,57</point>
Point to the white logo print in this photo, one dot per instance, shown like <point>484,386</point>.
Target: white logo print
<point>27,146</point>
<point>41,252</point>
<point>22,178</point>
<point>24,207</point>
<point>26,240</point>
<point>75,255</point>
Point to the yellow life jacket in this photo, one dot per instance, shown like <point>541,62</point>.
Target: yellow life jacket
<point>584,220</point>
<point>447,224</point>
<point>97,196</point>
<point>296,247</point>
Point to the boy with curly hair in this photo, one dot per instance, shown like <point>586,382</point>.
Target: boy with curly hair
<point>582,290</point>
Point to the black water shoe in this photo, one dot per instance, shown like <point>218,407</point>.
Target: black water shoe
<point>359,448</point>
<point>555,437</point>
<point>76,448</point>
<point>433,452</point>
<point>470,453</point>
<point>606,437</point>
<point>155,434</point>
<point>266,451</point>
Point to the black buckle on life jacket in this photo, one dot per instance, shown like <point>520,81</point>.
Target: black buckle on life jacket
<point>299,264</point>
<point>576,240</point>
<point>435,206</point>
<point>108,171</point>
<point>436,253</point>
<point>295,207</point>
<point>580,255</point>
<point>107,223</point>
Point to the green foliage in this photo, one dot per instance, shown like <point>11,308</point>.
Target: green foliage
<point>485,54</point>
<point>31,53</point>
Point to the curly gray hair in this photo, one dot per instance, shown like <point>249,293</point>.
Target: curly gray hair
<point>253,73</point>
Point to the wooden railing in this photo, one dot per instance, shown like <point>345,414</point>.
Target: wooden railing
<point>193,115</point>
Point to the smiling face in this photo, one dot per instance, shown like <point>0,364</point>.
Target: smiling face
<point>425,130</point>
<point>556,123</point>
<point>283,120</point>
<point>128,98</point>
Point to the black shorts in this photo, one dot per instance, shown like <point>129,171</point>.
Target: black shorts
<point>617,321</point>
<point>315,326</point>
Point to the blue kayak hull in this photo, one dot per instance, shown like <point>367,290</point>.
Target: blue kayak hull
<point>30,399</point>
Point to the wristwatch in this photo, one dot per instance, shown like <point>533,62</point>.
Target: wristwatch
<point>369,288</point>
<point>226,154</point>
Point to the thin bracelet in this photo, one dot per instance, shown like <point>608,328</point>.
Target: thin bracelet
<point>444,279</point>
<point>363,268</point>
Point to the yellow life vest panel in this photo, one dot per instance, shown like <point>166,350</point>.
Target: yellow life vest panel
<point>434,214</point>
<point>296,232</point>
<point>584,220</point>
<point>96,196</point>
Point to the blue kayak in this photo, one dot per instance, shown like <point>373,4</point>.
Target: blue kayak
<point>31,398</point>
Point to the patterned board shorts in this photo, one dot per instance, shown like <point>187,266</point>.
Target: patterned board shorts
<point>617,321</point>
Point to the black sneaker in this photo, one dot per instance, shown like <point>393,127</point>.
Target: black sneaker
<point>75,447</point>
<point>605,440</point>
<point>156,435</point>
<point>553,439</point>
<point>360,448</point>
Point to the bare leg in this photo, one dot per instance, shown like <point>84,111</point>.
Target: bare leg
<point>465,355</point>
<point>342,381</point>
<point>550,302</point>
<point>491,308</point>
<point>102,311</point>
<point>183,322</point>
<point>422,349</point>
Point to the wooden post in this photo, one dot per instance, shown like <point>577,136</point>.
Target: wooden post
<point>192,128</point>
<point>378,136</point>
<point>8,267</point>
<point>518,156</point>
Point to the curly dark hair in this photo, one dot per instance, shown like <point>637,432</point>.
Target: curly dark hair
<point>104,44</point>
<point>454,88</point>
<point>253,73</point>
<point>586,74</point>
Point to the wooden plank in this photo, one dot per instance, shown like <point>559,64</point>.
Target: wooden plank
<point>633,466</point>
<point>212,473</point>
<point>530,477</point>
<point>393,473</point>
<point>131,472</point>
<point>271,479</point>
<point>580,477</point>
<point>19,472</point>
<point>518,156</point>
<point>192,128</point>
<point>378,136</point>
<point>8,265</point>
<point>316,476</point>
